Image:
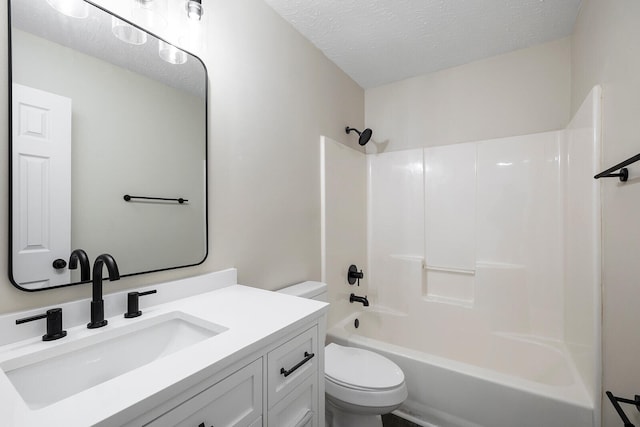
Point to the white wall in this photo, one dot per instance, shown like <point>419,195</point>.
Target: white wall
<point>493,236</point>
<point>344,225</point>
<point>272,94</point>
<point>606,51</point>
<point>582,242</point>
<point>517,93</point>
<point>158,125</point>
<point>395,239</point>
<point>499,201</point>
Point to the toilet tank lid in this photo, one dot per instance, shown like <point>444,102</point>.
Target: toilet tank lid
<point>308,289</point>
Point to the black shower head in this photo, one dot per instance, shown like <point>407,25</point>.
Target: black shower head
<point>365,135</point>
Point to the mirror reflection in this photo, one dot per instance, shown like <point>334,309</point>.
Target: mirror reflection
<point>101,109</point>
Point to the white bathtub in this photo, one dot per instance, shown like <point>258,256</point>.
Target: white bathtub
<point>459,379</point>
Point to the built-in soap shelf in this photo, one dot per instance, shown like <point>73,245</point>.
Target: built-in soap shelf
<point>425,266</point>
<point>480,264</point>
<point>458,302</point>
<point>448,269</point>
<point>449,285</point>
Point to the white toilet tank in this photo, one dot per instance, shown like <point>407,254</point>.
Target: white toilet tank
<point>311,290</point>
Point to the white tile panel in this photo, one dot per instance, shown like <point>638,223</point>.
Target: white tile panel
<point>450,206</point>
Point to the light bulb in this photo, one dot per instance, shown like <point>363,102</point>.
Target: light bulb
<point>171,54</point>
<point>194,9</point>
<point>72,8</point>
<point>127,32</point>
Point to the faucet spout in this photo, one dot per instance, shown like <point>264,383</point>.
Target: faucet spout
<point>97,303</point>
<point>79,255</point>
<point>363,300</point>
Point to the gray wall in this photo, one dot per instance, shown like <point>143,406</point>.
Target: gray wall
<point>517,93</point>
<point>606,51</point>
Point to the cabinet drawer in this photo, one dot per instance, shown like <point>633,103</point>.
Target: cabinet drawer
<point>299,408</point>
<point>234,401</point>
<point>291,363</point>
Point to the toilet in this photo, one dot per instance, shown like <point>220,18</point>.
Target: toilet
<point>360,385</point>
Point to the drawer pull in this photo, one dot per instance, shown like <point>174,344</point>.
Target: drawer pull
<point>307,357</point>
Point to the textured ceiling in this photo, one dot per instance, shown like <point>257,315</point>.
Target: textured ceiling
<point>381,41</point>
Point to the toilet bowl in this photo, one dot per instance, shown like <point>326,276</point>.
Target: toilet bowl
<point>360,385</point>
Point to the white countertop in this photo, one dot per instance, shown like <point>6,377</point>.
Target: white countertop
<point>254,319</point>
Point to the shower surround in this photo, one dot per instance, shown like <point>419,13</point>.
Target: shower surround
<point>484,277</point>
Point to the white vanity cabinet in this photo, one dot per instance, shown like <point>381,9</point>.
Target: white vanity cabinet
<point>220,354</point>
<point>234,401</point>
<point>281,386</point>
<point>299,408</point>
<point>292,381</point>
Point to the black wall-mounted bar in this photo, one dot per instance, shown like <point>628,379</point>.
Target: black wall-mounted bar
<point>614,400</point>
<point>624,172</point>
<point>128,198</point>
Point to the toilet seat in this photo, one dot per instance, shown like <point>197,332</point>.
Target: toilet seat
<point>362,378</point>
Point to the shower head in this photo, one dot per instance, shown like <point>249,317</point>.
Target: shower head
<point>365,135</point>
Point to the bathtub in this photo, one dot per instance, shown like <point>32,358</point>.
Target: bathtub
<point>458,379</point>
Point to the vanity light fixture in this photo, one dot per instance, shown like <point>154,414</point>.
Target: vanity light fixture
<point>127,32</point>
<point>73,8</point>
<point>194,9</point>
<point>171,54</point>
<point>148,14</point>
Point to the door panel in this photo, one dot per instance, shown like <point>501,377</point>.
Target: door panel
<point>42,193</point>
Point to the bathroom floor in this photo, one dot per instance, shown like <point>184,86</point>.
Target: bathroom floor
<point>390,420</point>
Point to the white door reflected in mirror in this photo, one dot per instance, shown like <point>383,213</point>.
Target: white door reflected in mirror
<point>41,164</point>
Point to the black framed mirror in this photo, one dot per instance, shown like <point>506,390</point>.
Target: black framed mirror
<point>101,109</point>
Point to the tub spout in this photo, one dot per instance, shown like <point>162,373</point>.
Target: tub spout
<point>362,300</point>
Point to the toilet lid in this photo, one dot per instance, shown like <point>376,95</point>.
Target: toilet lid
<point>360,368</point>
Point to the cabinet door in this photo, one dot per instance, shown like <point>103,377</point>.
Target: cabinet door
<point>291,363</point>
<point>235,401</point>
<point>299,408</point>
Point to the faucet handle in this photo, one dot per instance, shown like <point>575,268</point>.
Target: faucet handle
<point>54,324</point>
<point>133,309</point>
<point>354,275</point>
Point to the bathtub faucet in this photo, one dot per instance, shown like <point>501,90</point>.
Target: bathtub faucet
<point>362,300</point>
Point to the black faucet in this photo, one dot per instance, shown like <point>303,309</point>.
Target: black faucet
<point>362,300</point>
<point>80,255</point>
<point>97,303</point>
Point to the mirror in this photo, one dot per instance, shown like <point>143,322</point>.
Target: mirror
<point>95,118</point>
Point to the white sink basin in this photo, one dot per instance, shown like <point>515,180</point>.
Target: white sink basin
<point>48,376</point>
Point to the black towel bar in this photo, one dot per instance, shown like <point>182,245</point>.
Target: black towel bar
<point>624,172</point>
<point>128,198</point>
<point>614,401</point>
